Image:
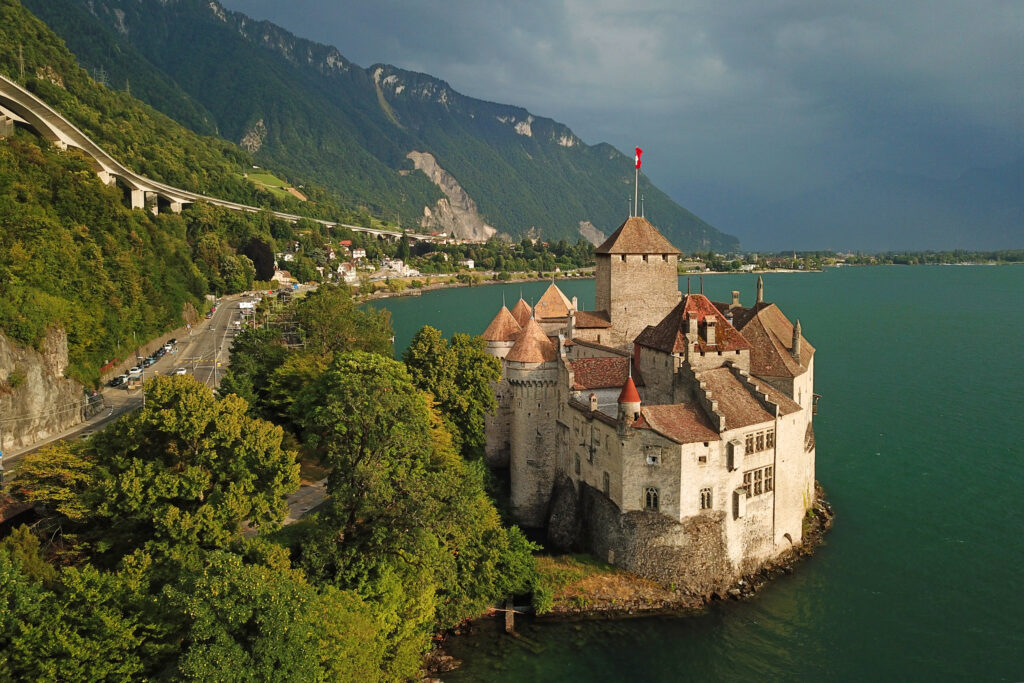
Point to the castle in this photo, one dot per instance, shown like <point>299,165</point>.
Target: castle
<point>666,433</point>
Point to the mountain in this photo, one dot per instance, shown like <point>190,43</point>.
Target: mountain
<point>404,145</point>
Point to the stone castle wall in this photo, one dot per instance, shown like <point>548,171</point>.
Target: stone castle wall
<point>636,291</point>
<point>532,430</point>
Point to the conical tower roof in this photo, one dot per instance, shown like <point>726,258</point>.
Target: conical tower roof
<point>554,304</point>
<point>503,328</point>
<point>629,393</point>
<point>532,346</point>
<point>522,312</point>
<point>636,236</point>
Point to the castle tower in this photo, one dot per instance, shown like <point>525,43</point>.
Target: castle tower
<point>499,337</point>
<point>501,334</point>
<point>637,280</point>
<point>522,312</point>
<point>629,402</point>
<point>531,370</point>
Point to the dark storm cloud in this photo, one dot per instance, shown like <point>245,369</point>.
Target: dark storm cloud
<point>741,98</point>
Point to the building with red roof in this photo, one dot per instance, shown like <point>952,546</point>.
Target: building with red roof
<point>669,434</point>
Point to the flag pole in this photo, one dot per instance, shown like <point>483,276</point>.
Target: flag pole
<point>636,188</point>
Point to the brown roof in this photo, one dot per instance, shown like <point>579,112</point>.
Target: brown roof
<point>600,373</point>
<point>735,401</point>
<point>553,304</point>
<point>592,320</point>
<point>681,422</point>
<point>771,339</point>
<point>522,312</point>
<point>787,406</point>
<point>669,334</point>
<point>503,328</point>
<point>532,346</point>
<point>636,236</point>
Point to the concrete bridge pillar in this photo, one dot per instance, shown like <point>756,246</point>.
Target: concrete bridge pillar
<point>6,126</point>
<point>105,177</point>
<point>153,202</point>
<point>137,198</point>
<point>176,206</point>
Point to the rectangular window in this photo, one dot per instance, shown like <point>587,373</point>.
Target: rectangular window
<point>606,484</point>
<point>651,499</point>
<point>760,441</point>
<point>759,481</point>
<point>750,443</point>
<point>769,439</point>
<point>705,499</point>
<point>653,454</point>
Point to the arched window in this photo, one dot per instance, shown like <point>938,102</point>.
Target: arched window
<point>651,498</point>
<point>705,499</point>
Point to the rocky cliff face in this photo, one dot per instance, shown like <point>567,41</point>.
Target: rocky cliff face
<point>36,399</point>
<point>456,213</point>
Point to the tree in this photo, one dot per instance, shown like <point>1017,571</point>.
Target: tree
<point>332,322</point>
<point>460,375</point>
<point>184,472</point>
<point>241,622</point>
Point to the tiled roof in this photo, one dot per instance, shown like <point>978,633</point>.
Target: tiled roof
<point>771,339</point>
<point>669,334</point>
<point>636,236</point>
<point>681,422</point>
<point>522,312</point>
<point>599,347</point>
<point>629,393</point>
<point>532,346</point>
<point>735,401</point>
<point>588,320</point>
<point>553,304</point>
<point>787,406</point>
<point>503,328</point>
<point>600,373</point>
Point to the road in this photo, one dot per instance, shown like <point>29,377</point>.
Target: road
<point>204,354</point>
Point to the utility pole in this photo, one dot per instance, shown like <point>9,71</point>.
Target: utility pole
<point>21,61</point>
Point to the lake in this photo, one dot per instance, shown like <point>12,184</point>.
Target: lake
<point>919,445</point>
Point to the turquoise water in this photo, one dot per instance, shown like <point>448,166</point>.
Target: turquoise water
<point>920,432</point>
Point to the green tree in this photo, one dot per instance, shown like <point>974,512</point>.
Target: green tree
<point>182,473</point>
<point>331,322</point>
<point>460,375</point>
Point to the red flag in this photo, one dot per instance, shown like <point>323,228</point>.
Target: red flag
<point>638,153</point>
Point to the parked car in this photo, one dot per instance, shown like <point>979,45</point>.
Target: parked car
<point>168,347</point>
<point>135,371</point>
<point>118,381</point>
<point>147,361</point>
<point>158,354</point>
<point>181,371</point>
<point>172,342</point>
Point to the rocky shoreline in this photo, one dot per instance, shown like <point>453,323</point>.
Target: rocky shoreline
<point>618,595</point>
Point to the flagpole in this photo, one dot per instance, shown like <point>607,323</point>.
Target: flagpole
<point>636,188</point>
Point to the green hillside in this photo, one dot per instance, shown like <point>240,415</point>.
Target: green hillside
<point>301,107</point>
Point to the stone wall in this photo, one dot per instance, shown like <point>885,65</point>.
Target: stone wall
<point>36,400</point>
<point>636,290</point>
<point>689,555</point>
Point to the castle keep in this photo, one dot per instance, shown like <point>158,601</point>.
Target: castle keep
<point>666,433</point>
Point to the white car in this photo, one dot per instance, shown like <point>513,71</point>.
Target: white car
<point>135,371</point>
<point>181,371</point>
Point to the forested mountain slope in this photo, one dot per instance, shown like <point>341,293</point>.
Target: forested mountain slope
<point>302,107</point>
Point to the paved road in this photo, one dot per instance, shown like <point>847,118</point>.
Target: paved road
<point>204,354</point>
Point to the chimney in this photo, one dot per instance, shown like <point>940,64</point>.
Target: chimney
<point>575,304</point>
<point>760,290</point>
<point>691,324</point>
<point>735,300</point>
<point>593,403</point>
<point>796,341</point>
<point>709,330</point>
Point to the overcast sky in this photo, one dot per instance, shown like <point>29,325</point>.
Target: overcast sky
<point>731,100</point>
